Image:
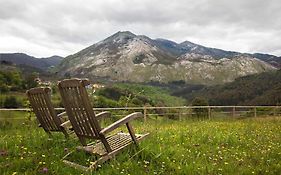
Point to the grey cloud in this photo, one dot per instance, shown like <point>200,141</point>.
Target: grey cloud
<point>11,9</point>
<point>69,25</point>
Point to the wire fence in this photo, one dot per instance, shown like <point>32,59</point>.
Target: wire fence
<point>178,112</point>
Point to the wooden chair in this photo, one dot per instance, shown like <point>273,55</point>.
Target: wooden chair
<point>40,101</point>
<point>86,124</point>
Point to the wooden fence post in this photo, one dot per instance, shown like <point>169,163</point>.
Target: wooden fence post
<point>233,111</point>
<point>209,112</point>
<point>180,114</point>
<point>29,114</point>
<point>274,111</point>
<point>144,113</point>
<point>255,111</point>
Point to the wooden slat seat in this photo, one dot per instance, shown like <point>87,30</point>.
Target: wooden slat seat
<point>86,124</point>
<point>115,141</point>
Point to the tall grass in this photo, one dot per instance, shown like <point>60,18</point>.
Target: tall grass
<point>249,146</point>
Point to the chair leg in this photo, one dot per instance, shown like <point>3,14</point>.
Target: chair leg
<point>132,133</point>
<point>65,134</point>
<point>105,143</point>
<point>83,141</point>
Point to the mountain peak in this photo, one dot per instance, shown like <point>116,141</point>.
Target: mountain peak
<point>123,34</point>
<point>120,36</point>
<point>188,44</point>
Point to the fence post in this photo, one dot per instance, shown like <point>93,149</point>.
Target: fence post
<point>255,111</point>
<point>180,114</point>
<point>274,111</point>
<point>209,112</point>
<point>144,113</point>
<point>29,116</point>
<point>233,111</point>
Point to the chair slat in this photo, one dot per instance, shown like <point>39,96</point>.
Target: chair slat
<point>81,114</point>
<point>89,126</point>
<point>36,110</point>
<point>46,113</point>
<point>41,113</point>
<point>40,101</point>
<point>51,112</point>
<point>73,108</point>
<point>66,93</point>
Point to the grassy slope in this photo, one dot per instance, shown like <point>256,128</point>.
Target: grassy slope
<point>251,146</point>
<point>156,94</point>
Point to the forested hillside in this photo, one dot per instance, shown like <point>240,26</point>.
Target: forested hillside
<point>259,89</point>
<point>17,78</point>
<point>129,95</point>
<point>27,60</point>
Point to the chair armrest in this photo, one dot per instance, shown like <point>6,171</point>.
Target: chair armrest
<point>120,122</point>
<point>101,115</point>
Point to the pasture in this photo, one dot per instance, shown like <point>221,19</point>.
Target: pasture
<point>218,146</point>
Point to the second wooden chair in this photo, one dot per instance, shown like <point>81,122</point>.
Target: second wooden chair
<point>40,100</point>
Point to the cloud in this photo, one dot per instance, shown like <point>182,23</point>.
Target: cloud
<point>63,27</point>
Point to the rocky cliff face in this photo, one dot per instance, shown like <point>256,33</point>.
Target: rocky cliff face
<point>125,56</point>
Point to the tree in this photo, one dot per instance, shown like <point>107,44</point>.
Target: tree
<point>3,84</point>
<point>30,80</point>
<point>11,102</point>
<point>200,112</point>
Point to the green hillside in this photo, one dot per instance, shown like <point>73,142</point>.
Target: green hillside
<point>130,95</point>
<point>258,89</point>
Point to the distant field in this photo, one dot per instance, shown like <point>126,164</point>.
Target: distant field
<point>247,146</point>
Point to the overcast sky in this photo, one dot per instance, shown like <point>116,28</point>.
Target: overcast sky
<point>61,27</point>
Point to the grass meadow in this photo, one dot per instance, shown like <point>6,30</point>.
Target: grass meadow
<point>244,146</point>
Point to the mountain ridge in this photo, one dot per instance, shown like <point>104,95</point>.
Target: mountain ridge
<point>125,56</point>
<point>24,59</point>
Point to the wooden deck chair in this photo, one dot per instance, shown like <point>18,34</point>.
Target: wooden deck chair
<point>40,100</point>
<point>86,124</point>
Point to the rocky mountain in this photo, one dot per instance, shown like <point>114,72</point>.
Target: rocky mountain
<point>271,59</point>
<point>125,56</point>
<point>24,59</point>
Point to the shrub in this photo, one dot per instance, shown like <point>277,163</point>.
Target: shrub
<point>11,102</point>
<point>200,112</point>
<point>112,93</point>
<point>102,102</point>
<point>3,87</point>
<point>173,114</point>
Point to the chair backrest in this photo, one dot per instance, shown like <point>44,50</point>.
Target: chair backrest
<point>40,100</point>
<point>78,108</point>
